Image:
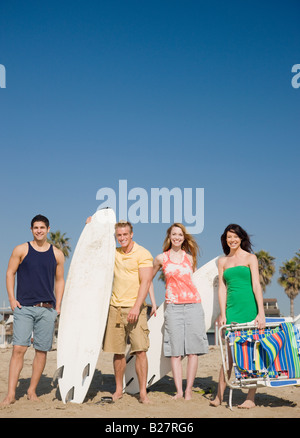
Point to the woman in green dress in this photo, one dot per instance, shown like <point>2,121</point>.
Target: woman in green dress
<point>240,294</point>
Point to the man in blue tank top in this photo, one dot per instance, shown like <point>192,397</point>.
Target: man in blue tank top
<point>40,269</point>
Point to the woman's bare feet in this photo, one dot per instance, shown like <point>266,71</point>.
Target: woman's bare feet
<point>215,403</point>
<point>7,402</point>
<point>32,396</point>
<point>177,396</point>
<point>188,394</point>
<point>248,404</point>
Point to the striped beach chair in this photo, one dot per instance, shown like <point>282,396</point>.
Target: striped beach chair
<point>268,357</point>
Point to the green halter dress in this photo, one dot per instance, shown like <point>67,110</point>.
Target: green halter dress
<point>241,305</point>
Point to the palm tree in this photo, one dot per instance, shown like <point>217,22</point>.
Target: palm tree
<point>290,279</point>
<point>266,268</point>
<point>60,241</point>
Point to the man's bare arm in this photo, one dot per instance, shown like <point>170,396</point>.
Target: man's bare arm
<point>145,282</point>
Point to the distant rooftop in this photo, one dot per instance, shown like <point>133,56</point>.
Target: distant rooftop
<point>271,307</point>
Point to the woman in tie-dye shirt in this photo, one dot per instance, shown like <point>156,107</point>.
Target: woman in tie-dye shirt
<point>185,333</point>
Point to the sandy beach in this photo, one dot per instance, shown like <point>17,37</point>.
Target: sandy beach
<point>271,403</point>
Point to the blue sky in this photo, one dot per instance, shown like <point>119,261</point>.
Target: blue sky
<point>188,94</point>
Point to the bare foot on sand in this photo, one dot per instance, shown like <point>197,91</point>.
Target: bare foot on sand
<point>116,396</point>
<point>177,396</point>
<point>7,402</point>
<point>188,395</point>
<point>144,400</point>
<point>32,397</point>
<point>215,403</point>
<point>248,404</point>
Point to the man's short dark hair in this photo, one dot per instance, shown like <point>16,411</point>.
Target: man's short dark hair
<point>40,218</point>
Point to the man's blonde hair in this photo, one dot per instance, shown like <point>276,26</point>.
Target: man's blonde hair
<point>122,224</point>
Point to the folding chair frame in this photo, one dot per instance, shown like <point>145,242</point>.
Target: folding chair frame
<point>253,382</point>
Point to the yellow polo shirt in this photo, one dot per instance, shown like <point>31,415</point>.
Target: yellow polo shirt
<point>126,275</point>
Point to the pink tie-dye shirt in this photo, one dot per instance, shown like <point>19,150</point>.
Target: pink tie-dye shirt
<point>180,288</point>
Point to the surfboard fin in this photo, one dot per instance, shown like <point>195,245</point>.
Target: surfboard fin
<point>151,380</point>
<point>58,374</point>
<point>128,383</point>
<point>129,359</point>
<point>70,395</point>
<point>86,372</point>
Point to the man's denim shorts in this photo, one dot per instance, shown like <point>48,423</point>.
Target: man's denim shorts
<point>34,322</point>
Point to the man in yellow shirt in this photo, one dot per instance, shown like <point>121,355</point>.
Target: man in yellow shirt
<point>128,314</point>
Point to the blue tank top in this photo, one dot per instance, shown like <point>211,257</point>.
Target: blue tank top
<point>35,277</point>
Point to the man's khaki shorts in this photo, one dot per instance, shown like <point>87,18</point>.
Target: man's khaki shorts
<point>118,330</point>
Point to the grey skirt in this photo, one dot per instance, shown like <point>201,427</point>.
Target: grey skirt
<point>184,330</point>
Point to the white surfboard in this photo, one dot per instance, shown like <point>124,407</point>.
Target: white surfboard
<point>85,306</point>
<point>158,364</point>
<point>206,280</point>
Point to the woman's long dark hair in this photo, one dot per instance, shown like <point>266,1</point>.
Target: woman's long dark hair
<point>245,239</point>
